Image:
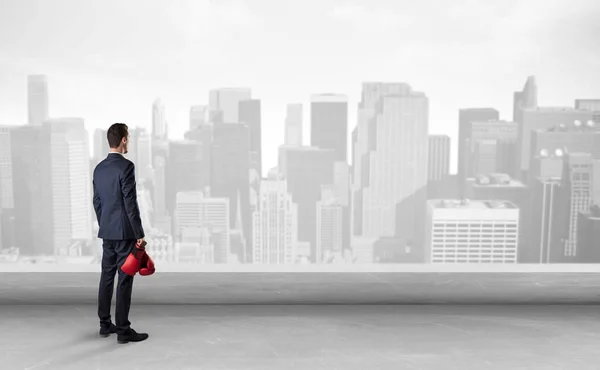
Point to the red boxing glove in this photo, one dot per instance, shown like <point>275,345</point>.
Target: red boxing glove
<point>147,266</point>
<point>134,260</point>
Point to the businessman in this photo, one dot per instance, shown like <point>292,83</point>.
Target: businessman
<point>118,214</point>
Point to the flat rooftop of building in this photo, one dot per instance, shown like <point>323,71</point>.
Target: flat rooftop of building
<point>471,204</point>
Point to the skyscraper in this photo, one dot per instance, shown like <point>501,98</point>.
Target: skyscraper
<point>33,215</point>
<point>275,223</point>
<point>188,169</point>
<point>37,99</point>
<point>159,120</point>
<point>395,197</point>
<point>306,170</point>
<point>544,118</point>
<point>250,114</point>
<point>439,157</point>
<point>293,125</point>
<point>198,116</point>
<point>230,170</point>
<point>329,123</point>
<point>198,211</point>
<point>101,147</point>
<point>330,225</point>
<point>140,153</point>
<point>577,192</point>
<point>69,176</point>
<point>6,189</point>
<point>224,102</point>
<point>472,231</point>
<point>466,117</point>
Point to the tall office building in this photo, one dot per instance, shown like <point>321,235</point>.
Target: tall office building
<point>466,117</point>
<point>439,157</point>
<point>250,114</point>
<point>159,120</point>
<point>37,99</point>
<point>101,147</point>
<point>275,223</point>
<point>230,170</point>
<point>306,170</point>
<point>224,103</point>
<point>197,212</point>
<point>198,116</point>
<point>489,146</point>
<point>7,203</point>
<point>329,123</point>
<point>69,181</point>
<point>188,169</point>
<point>573,137</point>
<point>394,200</point>
<point>366,140</point>
<point>541,118</point>
<point>293,125</point>
<point>527,98</point>
<point>159,196</point>
<point>33,217</point>
<point>140,153</point>
<point>472,231</point>
<point>330,225</point>
<point>577,192</point>
<point>588,234</point>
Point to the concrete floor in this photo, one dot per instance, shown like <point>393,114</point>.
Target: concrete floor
<point>256,337</point>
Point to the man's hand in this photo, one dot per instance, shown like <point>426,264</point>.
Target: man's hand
<point>140,241</point>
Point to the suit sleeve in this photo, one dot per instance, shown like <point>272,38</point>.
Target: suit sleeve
<point>97,203</point>
<point>128,187</point>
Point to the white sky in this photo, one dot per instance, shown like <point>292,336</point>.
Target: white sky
<point>108,60</point>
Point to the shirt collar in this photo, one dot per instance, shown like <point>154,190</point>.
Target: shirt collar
<point>116,153</point>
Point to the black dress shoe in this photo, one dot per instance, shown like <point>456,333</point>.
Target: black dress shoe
<point>105,332</point>
<point>131,336</point>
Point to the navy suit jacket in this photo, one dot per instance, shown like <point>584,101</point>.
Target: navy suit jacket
<point>115,199</point>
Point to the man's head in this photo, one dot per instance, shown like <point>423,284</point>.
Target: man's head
<point>118,137</point>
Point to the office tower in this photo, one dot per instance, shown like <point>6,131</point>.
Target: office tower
<point>341,187</point>
<point>394,199</point>
<point>230,169</point>
<point>544,118</point>
<point>224,103</point>
<point>306,170</point>
<point>293,125</point>
<point>37,99</point>
<point>329,123</point>
<point>466,117</point>
<point>275,223</point>
<point>545,212</point>
<point>140,153</point>
<point>198,116</point>
<point>500,186</point>
<point>101,147</point>
<point>439,157</point>
<point>7,204</point>
<point>588,234</point>
<point>69,179</point>
<point>159,196</point>
<point>525,99</point>
<point>159,120</point>
<point>199,213</point>
<point>577,136</point>
<point>472,231</point>
<point>365,140</point>
<point>330,225</point>
<point>575,196</point>
<point>33,217</point>
<point>188,169</point>
<point>250,114</point>
<point>592,105</point>
<point>489,146</point>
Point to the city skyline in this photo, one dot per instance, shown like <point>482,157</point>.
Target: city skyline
<point>102,80</point>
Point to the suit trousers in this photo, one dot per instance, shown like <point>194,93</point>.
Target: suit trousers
<point>114,254</point>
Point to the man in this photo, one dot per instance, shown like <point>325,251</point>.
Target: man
<point>118,214</point>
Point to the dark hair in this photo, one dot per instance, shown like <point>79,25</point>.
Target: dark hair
<point>116,132</point>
